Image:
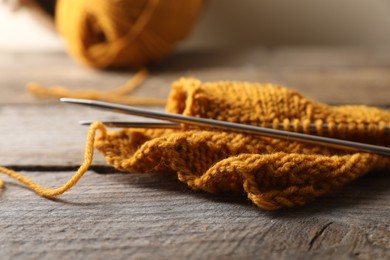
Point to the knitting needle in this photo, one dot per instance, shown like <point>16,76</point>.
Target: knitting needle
<point>135,124</point>
<point>126,124</point>
<point>275,133</point>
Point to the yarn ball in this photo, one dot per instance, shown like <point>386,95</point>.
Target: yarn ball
<point>124,33</point>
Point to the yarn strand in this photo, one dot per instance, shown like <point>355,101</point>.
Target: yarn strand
<point>132,84</point>
<point>115,95</point>
<point>47,192</point>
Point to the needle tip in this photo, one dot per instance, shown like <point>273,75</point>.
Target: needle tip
<point>78,101</point>
<point>73,100</point>
<point>64,100</point>
<point>85,122</point>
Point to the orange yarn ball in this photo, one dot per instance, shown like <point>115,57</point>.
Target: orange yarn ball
<point>124,33</point>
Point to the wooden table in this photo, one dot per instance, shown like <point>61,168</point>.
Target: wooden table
<point>146,216</point>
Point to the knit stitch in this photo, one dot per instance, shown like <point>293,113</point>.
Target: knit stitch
<point>274,173</point>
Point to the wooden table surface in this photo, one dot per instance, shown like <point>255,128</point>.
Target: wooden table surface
<point>146,216</point>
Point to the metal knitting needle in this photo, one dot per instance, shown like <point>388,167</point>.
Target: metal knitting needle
<point>127,124</point>
<point>274,133</point>
<point>167,125</point>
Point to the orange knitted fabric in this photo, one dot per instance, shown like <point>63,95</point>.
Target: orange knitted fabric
<point>274,173</point>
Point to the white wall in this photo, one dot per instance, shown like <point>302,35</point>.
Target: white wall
<point>21,31</point>
<point>297,22</point>
<point>248,22</point>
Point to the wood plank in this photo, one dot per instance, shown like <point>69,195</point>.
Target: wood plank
<point>148,216</point>
<point>155,216</point>
<point>47,135</point>
<point>331,75</point>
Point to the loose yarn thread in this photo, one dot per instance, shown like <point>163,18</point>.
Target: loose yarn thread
<point>46,192</point>
<point>116,95</point>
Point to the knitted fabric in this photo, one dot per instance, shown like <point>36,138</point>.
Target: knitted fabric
<point>274,173</point>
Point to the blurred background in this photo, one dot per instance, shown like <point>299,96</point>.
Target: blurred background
<point>231,23</point>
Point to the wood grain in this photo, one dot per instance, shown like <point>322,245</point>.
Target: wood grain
<point>336,76</point>
<point>149,216</point>
<point>48,136</point>
<point>146,216</point>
